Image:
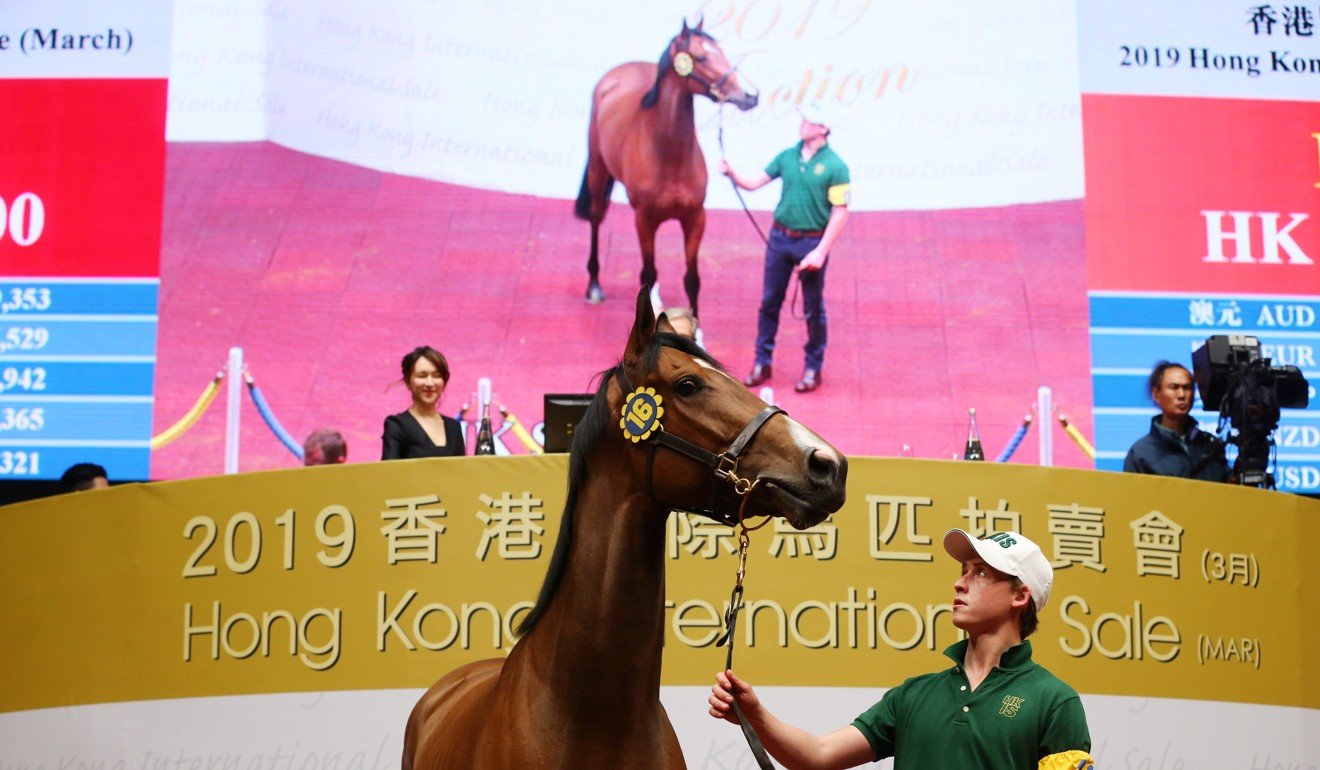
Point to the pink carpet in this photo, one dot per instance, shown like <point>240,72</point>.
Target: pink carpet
<point>326,274</point>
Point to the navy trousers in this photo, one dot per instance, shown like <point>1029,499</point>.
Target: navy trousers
<point>783,254</point>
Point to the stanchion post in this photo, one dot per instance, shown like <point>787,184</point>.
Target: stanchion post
<point>1044,408</point>
<point>234,401</point>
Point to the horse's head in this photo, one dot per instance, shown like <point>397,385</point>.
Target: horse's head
<point>702,442</point>
<point>691,438</point>
<point>704,69</point>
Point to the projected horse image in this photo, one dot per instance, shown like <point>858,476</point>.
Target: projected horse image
<point>581,689</point>
<point>643,134</point>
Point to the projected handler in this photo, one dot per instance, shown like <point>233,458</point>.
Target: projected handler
<point>811,213</point>
<point>995,709</point>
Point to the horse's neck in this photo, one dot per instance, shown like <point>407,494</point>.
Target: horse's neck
<point>675,126</point>
<point>606,627</point>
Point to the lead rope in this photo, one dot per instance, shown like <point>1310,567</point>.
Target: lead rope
<point>792,303</point>
<point>736,191</point>
<point>731,625</point>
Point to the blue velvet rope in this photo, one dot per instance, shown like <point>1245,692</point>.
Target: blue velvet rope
<point>280,433</point>
<point>1012,444</point>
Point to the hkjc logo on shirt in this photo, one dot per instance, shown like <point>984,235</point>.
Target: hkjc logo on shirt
<point>1011,705</point>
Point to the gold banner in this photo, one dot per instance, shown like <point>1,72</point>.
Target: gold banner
<point>388,575</point>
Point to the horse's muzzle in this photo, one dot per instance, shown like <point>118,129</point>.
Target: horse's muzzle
<point>744,101</point>
<point>805,502</point>
<point>829,476</point>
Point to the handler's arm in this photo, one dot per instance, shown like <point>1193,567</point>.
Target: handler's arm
<point>795,748</point>
<point>815,259</point>
<point>838,218</point>
<point>745,181</point>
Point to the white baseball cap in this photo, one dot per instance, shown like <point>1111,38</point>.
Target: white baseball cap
<point>816,113</point>
<point>1009,552</point>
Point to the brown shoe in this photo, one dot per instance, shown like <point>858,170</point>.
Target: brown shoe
<point>759,374</point>
<point>809,382</point>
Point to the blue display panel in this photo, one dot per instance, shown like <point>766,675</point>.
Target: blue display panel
<point>1130,331</point>
<point>77,358</point>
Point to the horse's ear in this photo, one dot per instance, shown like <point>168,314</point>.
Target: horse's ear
<point>643,325</point>
<point>662,324</point>
<point>700,20</point>
<point>685,27</point>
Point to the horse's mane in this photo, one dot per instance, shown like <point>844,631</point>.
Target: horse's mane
<point>649,99</point>
<point>590,431</point>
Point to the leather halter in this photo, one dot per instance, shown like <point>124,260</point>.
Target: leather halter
<point>723,465</point>
<point>715,88</point>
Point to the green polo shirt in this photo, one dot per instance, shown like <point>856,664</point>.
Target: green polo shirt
<point>1021,717</point>
<point>811,188</point>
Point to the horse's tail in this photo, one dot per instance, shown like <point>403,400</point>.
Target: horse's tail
<point>583,207</point>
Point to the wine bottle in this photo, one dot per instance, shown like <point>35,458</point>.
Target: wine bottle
<point>973,450</point>
<point>485,438</point>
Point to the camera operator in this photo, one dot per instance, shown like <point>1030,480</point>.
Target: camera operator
<point>1175,446</point>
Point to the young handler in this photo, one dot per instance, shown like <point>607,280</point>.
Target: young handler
<point>995,709</point>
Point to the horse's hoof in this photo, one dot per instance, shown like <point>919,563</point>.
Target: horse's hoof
<point>594,295</point>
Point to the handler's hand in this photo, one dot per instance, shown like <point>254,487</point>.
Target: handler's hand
<point>725,168</point>
<point>727,686</point>
<point>814,260</point>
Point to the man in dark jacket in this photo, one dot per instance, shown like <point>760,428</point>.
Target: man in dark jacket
<point>1175,446</point>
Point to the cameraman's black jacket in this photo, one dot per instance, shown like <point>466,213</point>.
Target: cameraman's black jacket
<point>1162,453</point>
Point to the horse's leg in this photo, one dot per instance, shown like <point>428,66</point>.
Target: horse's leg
<point>694,226</point>
<point>647,224</point>
<point>444,726</point>
<point>593,200</point>
<point>594,295</point>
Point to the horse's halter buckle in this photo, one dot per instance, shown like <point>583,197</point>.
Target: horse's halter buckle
<point>727,469</point>
<point>724,465</point>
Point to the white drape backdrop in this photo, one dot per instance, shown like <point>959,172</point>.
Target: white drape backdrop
<point>940,106</point>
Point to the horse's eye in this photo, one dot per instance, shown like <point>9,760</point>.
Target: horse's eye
<point>688,386</point>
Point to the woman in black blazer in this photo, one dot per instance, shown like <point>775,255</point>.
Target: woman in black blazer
<point>421,431</point>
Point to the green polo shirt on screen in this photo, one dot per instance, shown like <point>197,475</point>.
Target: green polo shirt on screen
<point>811,187</point>
<point>1020,718</point>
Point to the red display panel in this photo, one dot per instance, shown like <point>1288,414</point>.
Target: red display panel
<point>82,166</point>
<point>1158,170</point>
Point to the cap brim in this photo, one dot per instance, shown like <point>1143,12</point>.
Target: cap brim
<point>962,546</point>
<point>813,119</point>
<point>958,544</point>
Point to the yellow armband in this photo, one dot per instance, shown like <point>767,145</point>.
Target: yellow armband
<point>839,194</point>
<point>1067,760</point>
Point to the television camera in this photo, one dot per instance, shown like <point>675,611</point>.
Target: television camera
<point>1248,393</point>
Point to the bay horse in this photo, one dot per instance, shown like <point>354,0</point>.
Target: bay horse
<point>581,687</point>
<point>643,134</point>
